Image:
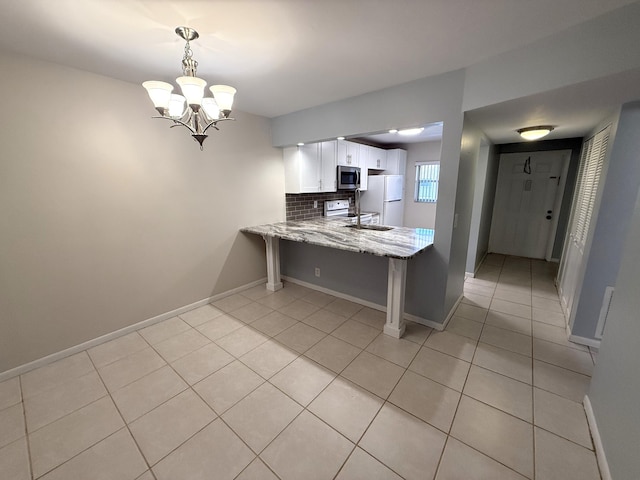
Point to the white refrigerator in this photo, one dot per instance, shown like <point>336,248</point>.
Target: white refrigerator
<point>384,194</point>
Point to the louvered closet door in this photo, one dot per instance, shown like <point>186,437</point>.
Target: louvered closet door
<point>582,213</point>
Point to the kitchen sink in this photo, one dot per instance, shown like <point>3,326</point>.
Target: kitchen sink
<point>379,228</point>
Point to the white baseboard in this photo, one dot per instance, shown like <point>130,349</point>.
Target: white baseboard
<point>328,291</point>
<point>424,321</point>
<point>366,303</point>
<point>477,267</point>
<point>452,311</point>
<point>589,342</point>
<point>603,465</point>
<point>121,332</point>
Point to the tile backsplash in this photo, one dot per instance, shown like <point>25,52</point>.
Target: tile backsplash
<point>299,206</point>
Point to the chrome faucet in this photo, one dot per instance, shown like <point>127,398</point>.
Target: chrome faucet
<point>357,207</point>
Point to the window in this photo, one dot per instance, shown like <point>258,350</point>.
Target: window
<point>427,174</point>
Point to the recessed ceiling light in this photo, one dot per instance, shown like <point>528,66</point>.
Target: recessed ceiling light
<point>393,130</point>
<point>340,138</point>
<point>411,131</point>
<point>534,133</point>
<point>300,144</point>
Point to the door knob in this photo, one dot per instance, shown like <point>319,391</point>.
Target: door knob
<point>548,217</point>
<point>549,211</point>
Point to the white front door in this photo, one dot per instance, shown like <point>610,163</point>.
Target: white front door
<point>527,202</point>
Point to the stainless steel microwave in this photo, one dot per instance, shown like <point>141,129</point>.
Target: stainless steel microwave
<point>348,177</point>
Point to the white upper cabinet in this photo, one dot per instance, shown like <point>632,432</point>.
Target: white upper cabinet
<point>376,158</point>
<point>302,169</point>
<point>396,162</point>
<point>348,153</point>
<point>310,168</point>
<point>328,166</point>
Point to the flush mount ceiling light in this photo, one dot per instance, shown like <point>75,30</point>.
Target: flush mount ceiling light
<point>534,133</point>
<point>200,112</point>
<point>410,131</point>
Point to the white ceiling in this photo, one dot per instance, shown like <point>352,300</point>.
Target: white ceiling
<point>286,55</point>
<point>431,132</point>
<point>573,111</point>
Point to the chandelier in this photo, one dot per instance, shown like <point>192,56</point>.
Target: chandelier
<point>191,109</point>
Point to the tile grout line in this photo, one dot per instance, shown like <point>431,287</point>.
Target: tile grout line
<point>126,425</point>
<point>455,413</point>
<point>533,405</point>
<point>27,440</point>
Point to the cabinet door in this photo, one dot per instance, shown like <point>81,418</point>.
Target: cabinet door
<point>364,177</point>
<point>309,161</point>
<point>328,170</point>
<point>377,158</point>
<point>348,154</point>
<point>396,162</point>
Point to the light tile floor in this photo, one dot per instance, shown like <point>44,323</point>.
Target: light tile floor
<point>300,385</point>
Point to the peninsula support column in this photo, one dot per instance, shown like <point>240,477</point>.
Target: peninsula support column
<point>395,297</point>
<point>274,282</point>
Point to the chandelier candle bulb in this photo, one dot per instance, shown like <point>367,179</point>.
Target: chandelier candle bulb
<point>172,107</point>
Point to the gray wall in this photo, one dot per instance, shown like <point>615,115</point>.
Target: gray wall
<point>109,217</point>
<point>472,138</point>
<point>359,275</point>
<point>483,199</point>
<point>621,183</point>
<point>615,388</point>
<point>573,144</point>
<point>363,276</point>
<point>603,46</point>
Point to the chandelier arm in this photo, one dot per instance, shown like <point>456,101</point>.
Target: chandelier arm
<point>213,124</point>
<point>180,122</point>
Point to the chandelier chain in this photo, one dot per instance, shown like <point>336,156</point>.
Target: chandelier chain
<point>189,65</point>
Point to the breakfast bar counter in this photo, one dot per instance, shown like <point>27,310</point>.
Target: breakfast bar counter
<point>398,244</point>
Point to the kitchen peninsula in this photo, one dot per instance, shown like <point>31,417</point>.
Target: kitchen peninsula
<point>401,246</point>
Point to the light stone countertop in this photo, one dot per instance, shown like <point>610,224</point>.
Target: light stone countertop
<point>400,242</point>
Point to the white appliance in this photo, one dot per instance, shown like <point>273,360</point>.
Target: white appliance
<point>385,195</point>
<point>340,209</point>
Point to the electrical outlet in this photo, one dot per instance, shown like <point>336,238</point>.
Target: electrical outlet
<point>317,272</point>
<point>315,204</point>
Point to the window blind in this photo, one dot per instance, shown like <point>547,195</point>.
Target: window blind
<point>589,173</point>
<point>427,175</point>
